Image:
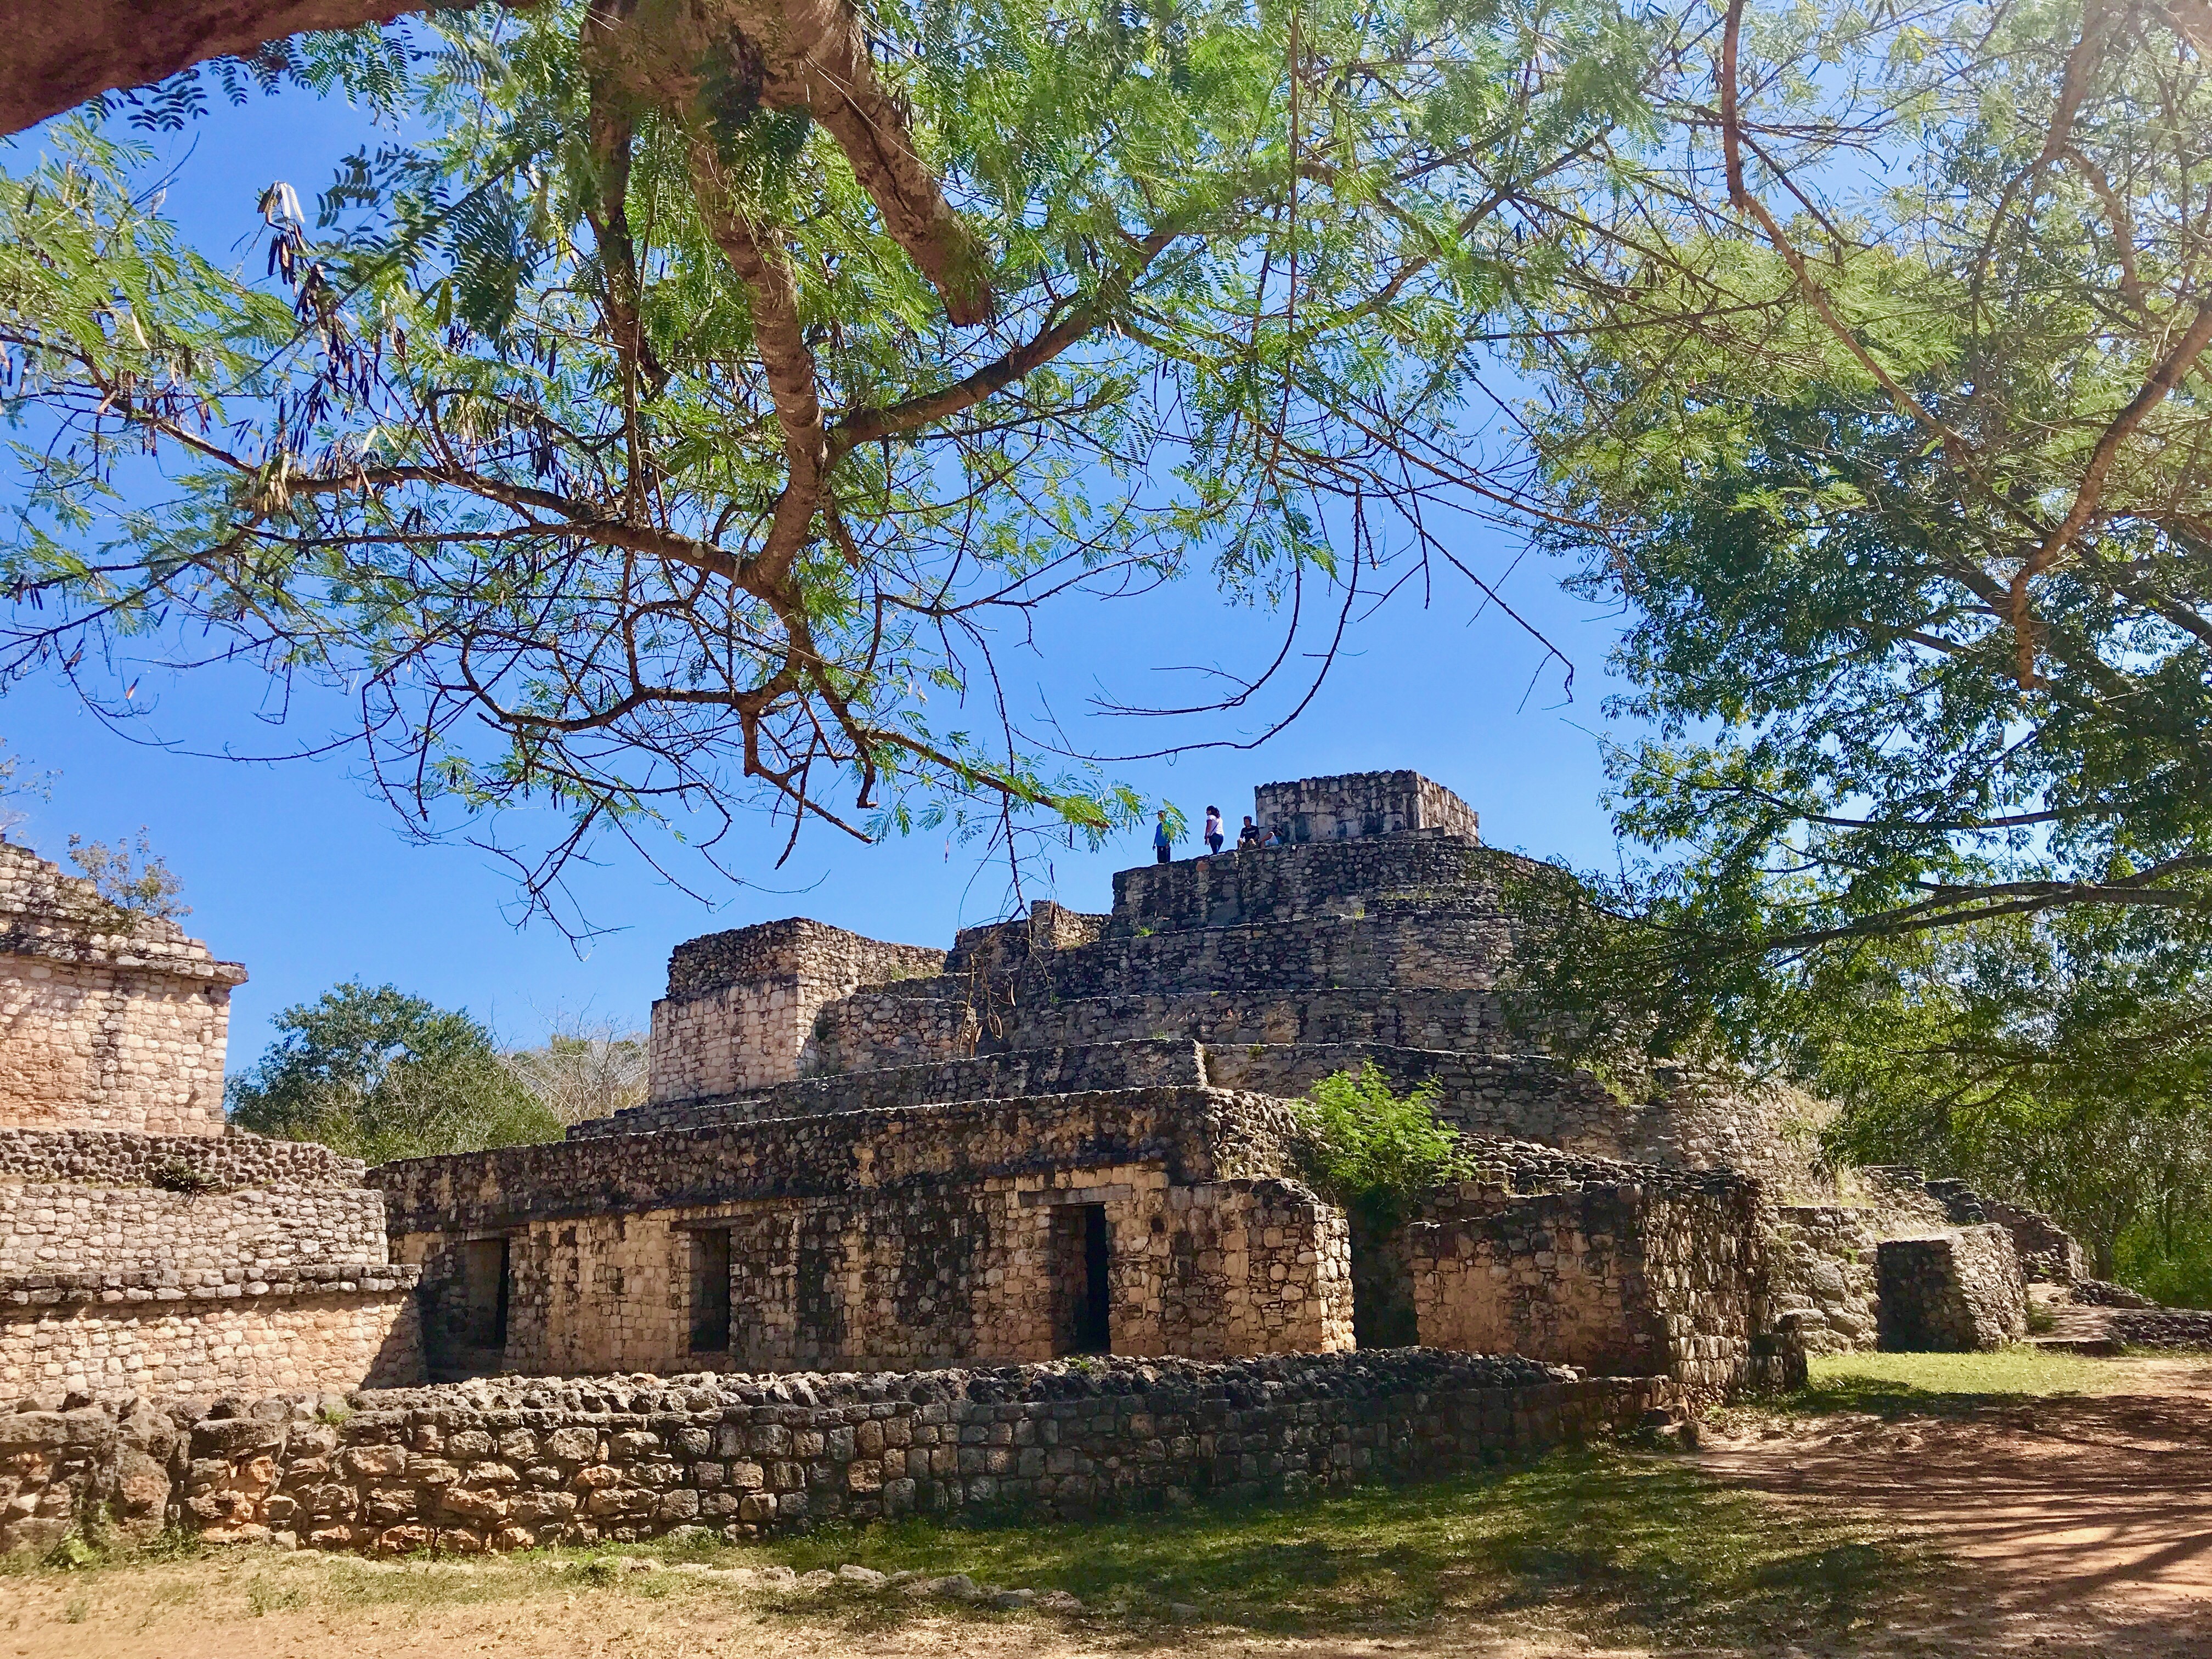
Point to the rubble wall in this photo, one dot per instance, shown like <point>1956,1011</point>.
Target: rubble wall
<point>470,1468</point>
<point>1823,1264</point>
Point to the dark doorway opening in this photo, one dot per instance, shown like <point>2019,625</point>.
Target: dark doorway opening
<point>484,1280</point>
<point>710,1290</point>
<point>1383,1311</point>
<point>1083,1259</point>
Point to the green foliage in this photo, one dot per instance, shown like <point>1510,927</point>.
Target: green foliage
<point>420,460</point>
<point>1910,531</point>
<point>379,1075</point>
<point>1373,1151</point>
<point>132,878</point>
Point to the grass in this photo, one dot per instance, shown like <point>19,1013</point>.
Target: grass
<point>1598,1542</point>
<point>1899,1384</point>
<point>1592,1539</point>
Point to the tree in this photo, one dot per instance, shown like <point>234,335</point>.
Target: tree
<point>379,1075</point>
<point>634,446</point>
<point>584,1070</point>
<point>2064,1059</point>
<point>1899,472</point>
<point>132,879</point>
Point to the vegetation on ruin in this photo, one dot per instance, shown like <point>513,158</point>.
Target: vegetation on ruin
<point>1373,1151</point>
<point>132,877</point>
<point>378,1074</point>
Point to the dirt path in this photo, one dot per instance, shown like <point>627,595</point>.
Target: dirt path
<point>2098,1504</point>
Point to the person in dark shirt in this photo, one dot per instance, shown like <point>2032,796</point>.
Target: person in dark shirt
<point>1248,838</point>
<point>1161,840</point>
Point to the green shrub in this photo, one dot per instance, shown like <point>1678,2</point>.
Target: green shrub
<point>1375,1152</point>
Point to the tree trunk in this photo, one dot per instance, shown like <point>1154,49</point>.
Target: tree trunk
<point>60,52</point>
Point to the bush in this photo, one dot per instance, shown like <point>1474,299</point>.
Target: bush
<point>1373,1152</point>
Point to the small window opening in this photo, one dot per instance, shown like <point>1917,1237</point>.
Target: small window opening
<point>1083,1259</point>
<point>710,1290</point>
<point>484,1282</point>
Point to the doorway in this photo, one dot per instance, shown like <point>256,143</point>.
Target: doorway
<point>1082,1259</point>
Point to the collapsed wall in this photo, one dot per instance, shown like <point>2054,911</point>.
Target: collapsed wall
<point>515,1463</point>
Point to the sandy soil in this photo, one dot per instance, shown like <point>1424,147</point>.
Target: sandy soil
<point>2096,1508</point>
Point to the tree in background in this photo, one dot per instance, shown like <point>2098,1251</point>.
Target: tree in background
<point>1892,440</point>
<point>379,1075</point>
<point>584,1069</point>
<point>2064,1060</point>
<point>687,423</point>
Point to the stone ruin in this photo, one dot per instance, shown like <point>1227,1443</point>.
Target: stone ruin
<point>1027,1221</point>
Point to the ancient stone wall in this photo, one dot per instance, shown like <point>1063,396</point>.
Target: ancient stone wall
<point>1698,1125</point>
<point>992,1076</point>
<point>1654,1275</point>
<point>1271,884</point>
<point>741,1004</point>
<point>189,1240</point>
<point>107,1019</point>
<point>1823,1266</point>
<point>133,1262</point>
<point>512,1465</point>
<point>182,1163</point>
<point>1952,1291</point>
<point>882,1239</point>
<point>1360,803</point>
<point>307,1331</point>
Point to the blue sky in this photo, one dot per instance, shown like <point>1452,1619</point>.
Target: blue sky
<point>294,870</point>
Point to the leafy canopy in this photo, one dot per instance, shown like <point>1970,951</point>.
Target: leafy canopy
<point>379,1074</point>
<point>612,446</point>
<point>1891,440</point>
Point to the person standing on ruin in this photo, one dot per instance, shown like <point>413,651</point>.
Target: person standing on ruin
<point>1161,841</point>
<point>1213,831</point>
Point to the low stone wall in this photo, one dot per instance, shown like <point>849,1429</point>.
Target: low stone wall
<point>1952,1292</point>
<point>508,1465</point>
<point>1822,1261</point>
<point>111,1157</point>
<point>303,1333</point>
<point>2162,1328</point>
